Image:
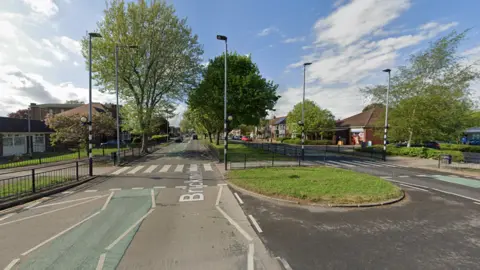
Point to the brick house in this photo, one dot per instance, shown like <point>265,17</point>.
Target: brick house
<point>16,140</point>
<point>40,111</point>
<point>362,127</point>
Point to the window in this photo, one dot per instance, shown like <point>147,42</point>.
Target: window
<point>19,140</point>
<point>39,139</point>
<point>7,141</point>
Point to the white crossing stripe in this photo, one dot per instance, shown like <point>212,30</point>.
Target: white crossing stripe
<point>156,187</point>
<point>91,190</point>
<point>403,176</point>
<point>193,167</point>
<point>341,163</point>
<point>136,169</point>
<point>179,168</point>
<point>117,172</point>
<point>334,163</point>
<point>370,163</point>
<point>348,163</point>
<point>207,167</point>
<point>150,169</point>
<point>137,188</point>
<point>363,163</point>
<point>165,168</point>
<point>421,175</point>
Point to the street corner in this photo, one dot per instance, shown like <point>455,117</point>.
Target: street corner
<point>421,232</point>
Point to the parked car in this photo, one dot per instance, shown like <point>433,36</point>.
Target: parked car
<point>194,137</point>
<point>246,139</point>
<point>179,139</point>
<point>112,143</point>
<point>236,138</point>
<point>427,144</point>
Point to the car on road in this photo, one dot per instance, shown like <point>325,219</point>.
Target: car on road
<point>246,139</point>
<point>194,137</point>
<point>179,139</point>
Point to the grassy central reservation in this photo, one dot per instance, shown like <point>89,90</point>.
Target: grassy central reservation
<point>315,184</point>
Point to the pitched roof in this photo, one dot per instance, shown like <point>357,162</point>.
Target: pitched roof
<point>56,105</point>
<point>276,120</point>
<point>16,125</point>
<point>367,118</point>
<point>281,120</point>
<point>96,107</point>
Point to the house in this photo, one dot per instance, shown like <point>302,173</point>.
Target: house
<point>40,111</point>
<point>15,138</point>
<point>362,127</point>
<point>473,135</point>
<point>278,127</point>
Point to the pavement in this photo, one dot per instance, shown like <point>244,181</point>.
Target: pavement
<point>168,210</point>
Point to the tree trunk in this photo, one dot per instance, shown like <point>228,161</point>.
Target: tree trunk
<point>210,137</point>
<point>321,136</point>
<point>410,138</point>
<point>218,138</point>
<point>144,148</point>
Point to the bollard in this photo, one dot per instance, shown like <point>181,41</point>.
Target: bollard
<point>76,171</point>
<point>273,158</point>
<point>33,180</point>
<point>103,150</point>
<point>245,162</point>
<point>78,153</point>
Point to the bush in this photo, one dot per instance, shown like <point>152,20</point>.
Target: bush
<point>420,152</point>
<point>460,147</point>
<point>159,137</point>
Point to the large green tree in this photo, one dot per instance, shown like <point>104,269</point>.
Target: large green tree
<point>249,95</point>
<point>163,67</point>
<point>317,120</point>
<point>430,97</point>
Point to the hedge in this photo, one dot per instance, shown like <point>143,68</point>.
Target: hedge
<point>421,152</point>
<point>307,142</point>
<point>158,137</point>
<point>461,147</point>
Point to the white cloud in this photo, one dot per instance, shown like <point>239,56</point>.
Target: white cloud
<point>338,3</point>
<point>70,44</point>
<point>175,121</point>
<point>55,50</point>
<point>267,31</point>
<point>75,63</point>
<point>46,8</point>
<point>293,40</point>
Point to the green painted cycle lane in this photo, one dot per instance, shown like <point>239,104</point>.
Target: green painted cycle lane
<point>81,247</point>
<point>458,180</point>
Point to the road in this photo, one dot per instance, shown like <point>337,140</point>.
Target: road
<point>436,227</point>
<point>168,210</point>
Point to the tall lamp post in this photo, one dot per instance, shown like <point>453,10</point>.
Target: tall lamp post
<point>386,117</point>
<point>90,159</point>
<point>303,108</point>
<point>117,47</point>
<point>225,142</point>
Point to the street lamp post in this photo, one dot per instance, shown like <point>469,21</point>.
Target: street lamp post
<point>225,143</point>
<point>386,117</point>
<point>117,47</point>
<point>90,158</point>
<point>303,109</point>
<point>29,136</point>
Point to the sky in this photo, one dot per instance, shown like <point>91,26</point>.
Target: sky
<point>349,43</point>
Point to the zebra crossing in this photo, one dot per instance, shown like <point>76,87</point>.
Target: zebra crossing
<point>357,163</point>
<point>178,168</point>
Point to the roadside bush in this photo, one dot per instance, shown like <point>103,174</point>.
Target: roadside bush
<point>159,137</point>
<point>461,147</point>
<point>420,152</point>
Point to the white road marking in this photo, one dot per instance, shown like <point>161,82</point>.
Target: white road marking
<point>115,189</point>
<point>193,167</point>
<point>48,212</point>
<point>250,260</point>
<point>221,184</point>
<point>12,264</point>
<point>181,187</point>
<point>152,193</point>
<point>119,171</point>
<point>128,230</point>
<point>414,187</point>
<point>403,176</point>
<point>33,204</point>
<point>421,175</point>
<point>254,222</point>
<point>238,198</point>
<point>67,192</point>
<point>284,263</point>
<point>385,177</point>
<point>165,168</point>
<point>6,216</point>
<point>455,194</point>
<point>60,234</point>
<point>91,190</point>
<point>217,201</point>
<point>101,261</point>
<point>179,168</point>
<point>69,201</point>
<point>339,163</point>
<point>409,184</point>
<point>159,187</point>
<point>477,203</point>
<point>348,164</point>
<point>207,167</point>
<point>107,201</point>
<point>150,169</point>
<point>235,224</point>
<point>364,163</point>
<point>136,169</point>
<point>328,164</point>
<point>137,188</point>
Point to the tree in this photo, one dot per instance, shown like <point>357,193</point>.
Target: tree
<point>317,120</point>
<point>430,97</point>
<point>20,114</point>
<point>75,101</point>
<point>373,105</point>
<point>68,128</point>
<point>249,96</point>
<point>161,70</point>
<point>158,123</point>
<point>185,125</point>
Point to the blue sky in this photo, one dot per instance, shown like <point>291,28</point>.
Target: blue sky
<point>349,43</point>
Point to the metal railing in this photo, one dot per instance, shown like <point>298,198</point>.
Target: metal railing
<point>28,182</point>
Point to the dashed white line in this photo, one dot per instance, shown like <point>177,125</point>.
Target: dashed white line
<point>455,194</point>
<point>221,184</point>
<point>91,190</point>
<point>7,216</point>
<point>67,192</point>
<point>477,203</point>
<point>408,184</point>
<point>386,177</point>
<point>284,263</point>
<point>181,187</point>
<point>403,176</point>
<point>152,193</point>
<point>128,230</point>
<point>137,188</point>
<point>255,224</point>
<point>157,187</point>
<point>250,259</point>
<point>238,198</point>
<point>12,264</point>
<point>115,189</point>
<point>69,201</point>
<point>421,175</point>
<point>414,187</point>
<point>60,234</point>
<point>107,201</point>
<point>101,261</point>
<point>33,204</point>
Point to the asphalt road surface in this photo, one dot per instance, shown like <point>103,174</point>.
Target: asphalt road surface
<point>169,210</point>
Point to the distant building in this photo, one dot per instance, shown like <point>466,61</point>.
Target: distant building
<point>361,127</point>
<point>14,136</point>
<point>40,111</point>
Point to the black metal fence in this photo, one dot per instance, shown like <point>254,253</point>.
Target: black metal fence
<point>20,184</point>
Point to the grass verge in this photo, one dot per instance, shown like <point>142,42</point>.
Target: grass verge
<point>24,186</point>
<point>316,184</point>
<point>237,153</point>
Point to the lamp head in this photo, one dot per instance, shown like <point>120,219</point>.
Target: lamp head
<point>307,64</point>
<point>94,35</point>
<point>387,70</point>
<point>83,119</point>
<point>221,37</point>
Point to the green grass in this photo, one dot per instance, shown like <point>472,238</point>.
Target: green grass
<point>55,157</point>
<point>24,186</point>
<point>236,153</point>
<point>315,184</point>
